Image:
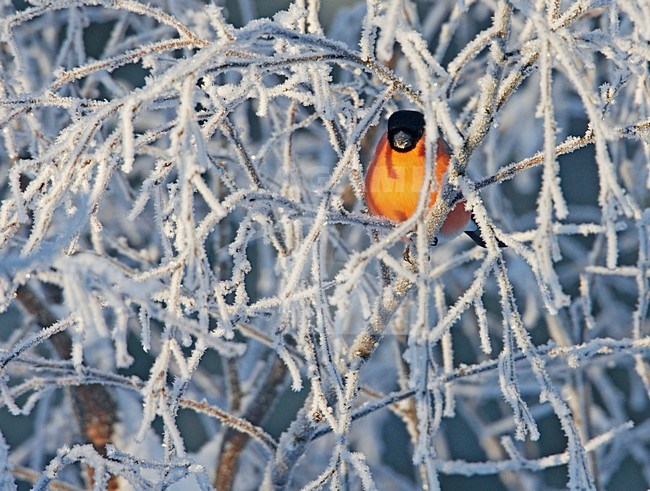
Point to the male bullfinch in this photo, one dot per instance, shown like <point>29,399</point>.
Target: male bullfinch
<point>396,174</point>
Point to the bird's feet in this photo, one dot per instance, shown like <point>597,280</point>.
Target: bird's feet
<point>408,255</point>
<point>411,237</point>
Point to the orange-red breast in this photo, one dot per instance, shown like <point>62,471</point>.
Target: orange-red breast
<point>396,173</point>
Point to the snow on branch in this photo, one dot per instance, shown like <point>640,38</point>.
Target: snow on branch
<point>186,249</point>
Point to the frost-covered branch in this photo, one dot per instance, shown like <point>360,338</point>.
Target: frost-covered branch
<point>188,269</point>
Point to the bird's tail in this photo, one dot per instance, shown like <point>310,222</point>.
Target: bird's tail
<point>473,232</point>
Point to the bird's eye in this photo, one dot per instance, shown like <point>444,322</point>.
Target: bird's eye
<point>404,139</point>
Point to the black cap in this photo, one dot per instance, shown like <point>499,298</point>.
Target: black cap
<point>405,128</point>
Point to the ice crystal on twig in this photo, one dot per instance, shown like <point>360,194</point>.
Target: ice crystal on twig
<point>185,246</point>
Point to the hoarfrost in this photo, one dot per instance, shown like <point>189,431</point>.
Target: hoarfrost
<point>185,246</point>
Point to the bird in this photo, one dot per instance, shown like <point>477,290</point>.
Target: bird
<point>395,176</point>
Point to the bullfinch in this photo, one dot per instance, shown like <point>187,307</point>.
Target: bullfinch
<point>396,173</point>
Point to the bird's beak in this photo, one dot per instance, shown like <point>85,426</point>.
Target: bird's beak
<point>402,140</point>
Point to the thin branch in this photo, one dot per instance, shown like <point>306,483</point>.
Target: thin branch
<point>243,426</point>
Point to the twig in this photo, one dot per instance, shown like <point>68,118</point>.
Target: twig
<point>258,408</point>
<point>29,475</point>
<point>595,348</point>
<point>465,468</point>
<point>243,426</point>
<point>94,406</point>
<point>569,145</point>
